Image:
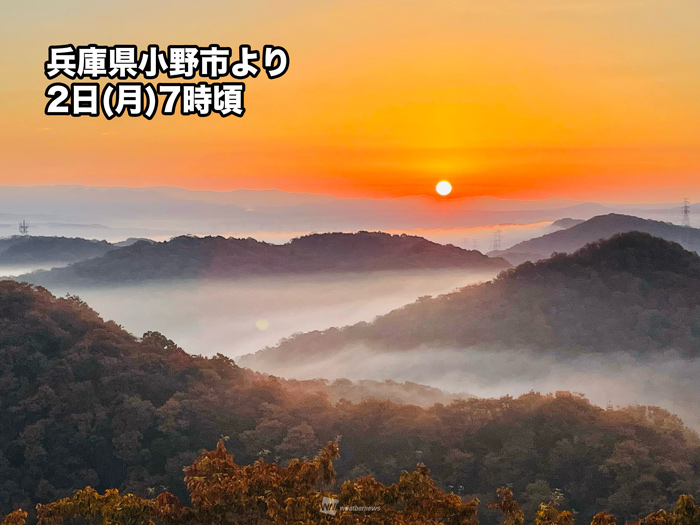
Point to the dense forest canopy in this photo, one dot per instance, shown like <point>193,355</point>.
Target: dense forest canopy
<point>85,403</point>
<point>189,257</point>
<point>632,293</point>
<point>306,492</point>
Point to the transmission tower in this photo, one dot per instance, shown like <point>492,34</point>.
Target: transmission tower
<point>496,245</point>
<point>23,228</point>
<point>686,213</point>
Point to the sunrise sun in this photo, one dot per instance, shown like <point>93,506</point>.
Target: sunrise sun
<point>443,188</point>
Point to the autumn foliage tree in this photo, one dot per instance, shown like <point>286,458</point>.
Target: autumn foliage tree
<point>222,492</point>
<point>549,514</point>
<point>512,513</point>
<point>685,513</point>
<point>18,517</point>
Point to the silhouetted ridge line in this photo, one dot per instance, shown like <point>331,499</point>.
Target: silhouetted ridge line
<point>189,257</point>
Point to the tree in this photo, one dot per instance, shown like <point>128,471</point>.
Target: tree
<point>512,514</point>
<point>604,518</point>
<point>18,517</point>
<point>225,493</point>
<point>548,514</point>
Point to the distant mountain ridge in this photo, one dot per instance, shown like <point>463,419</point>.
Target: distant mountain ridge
<point>633,293</point>
<point>603,226</point>
<point>165,212</point>
<point>30,249</point>
<point>218,257</point>
<point>566,223</point>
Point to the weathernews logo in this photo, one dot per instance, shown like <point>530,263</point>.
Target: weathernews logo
<point>329,506</point>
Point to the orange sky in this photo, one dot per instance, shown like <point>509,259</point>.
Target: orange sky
<point>587,99</point>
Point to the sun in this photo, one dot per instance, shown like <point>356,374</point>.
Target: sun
<point>443,188</point>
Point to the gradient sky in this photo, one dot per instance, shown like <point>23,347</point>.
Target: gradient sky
<point>584,99</point>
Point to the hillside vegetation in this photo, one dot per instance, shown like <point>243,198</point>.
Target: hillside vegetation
<point>85,403</point>
<point>632,293</point>
<point>306,492</point>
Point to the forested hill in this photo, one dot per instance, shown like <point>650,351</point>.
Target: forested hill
<point>219,257</point>
<point>595,229</point>
<point>632,292</point>
<point>85,403</point>
<point>27,250</point>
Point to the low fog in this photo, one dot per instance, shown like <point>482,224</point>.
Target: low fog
<point>13,270</point>
<point>242,316</point>
<point>666,380</point>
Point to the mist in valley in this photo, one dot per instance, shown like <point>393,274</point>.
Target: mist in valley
<point>237,317</point>
<point>14,270</point>
<point>618,379</point>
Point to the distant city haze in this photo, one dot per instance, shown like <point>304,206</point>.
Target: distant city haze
<point>159,213</point>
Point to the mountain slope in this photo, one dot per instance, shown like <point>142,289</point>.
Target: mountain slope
<point>219,257</point>
<point>563,224</point>
<point>600,227</point>
<point>20,250</point>
<point>83,402</point>
<point>633,293</point>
